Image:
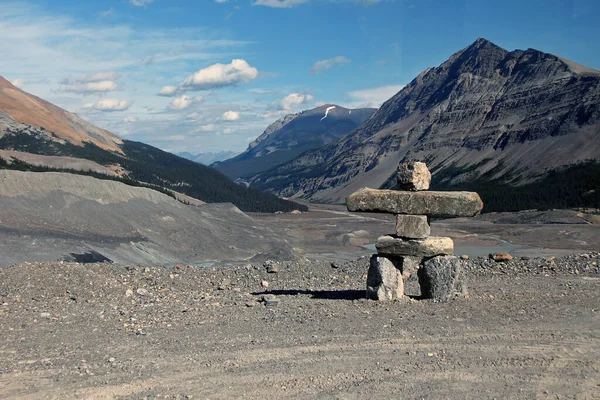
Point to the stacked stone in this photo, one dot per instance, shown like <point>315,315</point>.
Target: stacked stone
<point>411,249</point>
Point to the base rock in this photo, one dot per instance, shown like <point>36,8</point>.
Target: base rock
<point>442,278</point>
<point>384,280</point>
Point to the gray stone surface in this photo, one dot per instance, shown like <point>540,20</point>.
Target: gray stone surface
<point>413,176</point>
<point>412,226</point>
<point>442,278</point>
<point>409,265</point>
<point>439,204</point>
<point>384,280</point>
<point>429,247</point>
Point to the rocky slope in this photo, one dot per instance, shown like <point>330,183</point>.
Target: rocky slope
<point>291,136</point>
<point>486,114</point>
<point>50,216</point>
<point>25,108</point>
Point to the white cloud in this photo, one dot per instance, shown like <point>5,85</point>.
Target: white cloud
<point>220,75</point>
<point>108,105</point>
<point>141,3</point>
<point>130,119</point>
<point>168,91</point>
<point>279,3</point>
<point>176,138</point>
<point>328,63</point>
<point>183,102</point>
<point>19,82</point>
<point>91,87</point>
<point>374,97</point>
<point>221,1</point>
<point>107,13</point>
<point>98,82</point>
<point>230,116</point>
<point>294,100</point>
<point>206,128</point>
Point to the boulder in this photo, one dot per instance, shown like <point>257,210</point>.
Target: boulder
<point>384,280</point>
<point>442,278</point>
<point>438,204</point>
<point>429,247</point>
<point>413,176</point>
<point>412,226</point>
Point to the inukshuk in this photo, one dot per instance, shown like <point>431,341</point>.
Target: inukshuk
<point>411,247</point>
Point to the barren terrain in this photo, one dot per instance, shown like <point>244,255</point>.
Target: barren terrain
<point>529,329</point>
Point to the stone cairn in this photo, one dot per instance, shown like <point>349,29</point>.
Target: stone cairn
<point>411,249</point>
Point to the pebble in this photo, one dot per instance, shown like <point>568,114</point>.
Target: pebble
<point>264,284</point>
<point>143,292</point>
<point>270,300</point>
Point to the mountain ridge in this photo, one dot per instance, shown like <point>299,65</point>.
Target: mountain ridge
<point>483,111</point>
<point>293,135</point>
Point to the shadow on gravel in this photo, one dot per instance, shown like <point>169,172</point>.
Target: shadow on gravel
<point>319,294</point>
<point>87,258</point>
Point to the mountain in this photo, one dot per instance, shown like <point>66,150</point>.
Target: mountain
<point>486,119</point>
<point>208,158</point>
<point>291,136</point>
<point>29,124</point>
<point>27,109</point>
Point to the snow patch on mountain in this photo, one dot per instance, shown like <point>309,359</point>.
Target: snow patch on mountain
<point>327,112</point>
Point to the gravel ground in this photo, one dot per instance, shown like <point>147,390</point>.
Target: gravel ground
<point>529,329</point>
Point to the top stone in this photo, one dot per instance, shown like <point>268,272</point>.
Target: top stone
<point>413,176</point>
<point>434,204</point>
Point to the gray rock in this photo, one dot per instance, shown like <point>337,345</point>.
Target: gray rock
<point>384,280</point>
<point>409,265</point>
<point>271,267</point>
<point>429,247</point>
<point>142,292</point>
<point>270,300</point>
<point>412,226</point>
<point>413,176</point>
<point>440,204</point>
<point>442,278</point>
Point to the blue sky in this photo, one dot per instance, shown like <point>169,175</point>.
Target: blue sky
<point>163,71</point>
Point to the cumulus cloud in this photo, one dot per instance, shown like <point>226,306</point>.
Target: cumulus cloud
<point>230,116</point>
<point>374,97</point>
<point>108,105</point>
<point>141,3</point>
<point>220,75</point>
<point>279,3</point>
<point>91,87</point>
<point>206,128</point>
<point>183,102</point>
<point>99,82</point>
<point>328,63</point>
<point>168,91</point>
<point>294,100</point>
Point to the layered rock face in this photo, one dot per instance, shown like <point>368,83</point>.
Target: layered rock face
<point>411,248</point>
<point>292,135</point>
<point>485,113</point>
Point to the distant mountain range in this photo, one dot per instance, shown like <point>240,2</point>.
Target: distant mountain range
<point>208,158</point>
<point>291,136</point>
<point>29,124</point>
<point>522,127</point>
